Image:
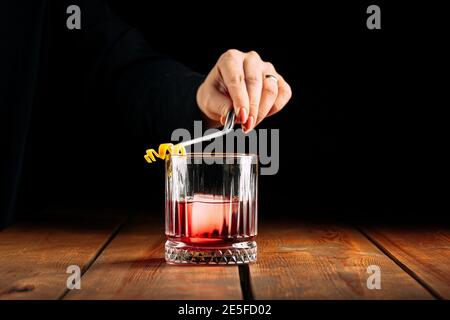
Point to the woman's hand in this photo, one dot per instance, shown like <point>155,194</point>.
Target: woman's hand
<point>248,84</point>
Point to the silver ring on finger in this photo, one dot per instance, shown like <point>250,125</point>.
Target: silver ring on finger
<point>272,77</point>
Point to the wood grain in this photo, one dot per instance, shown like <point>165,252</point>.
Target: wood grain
<point>324,261</point>
<point>34,256</point>
<point>423,250</point>
<point>133,267</point>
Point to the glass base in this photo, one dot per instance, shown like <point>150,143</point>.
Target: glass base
<point>238,253</point>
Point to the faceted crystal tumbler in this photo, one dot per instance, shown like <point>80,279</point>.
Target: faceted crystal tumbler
<point>211,208</point>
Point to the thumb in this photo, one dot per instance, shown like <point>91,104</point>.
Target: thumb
<point>220,104</point>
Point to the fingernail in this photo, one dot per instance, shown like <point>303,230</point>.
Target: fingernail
<point>243,115</point>
<point>237,113</point>
<point>249,124</point>
<point>222,120</point>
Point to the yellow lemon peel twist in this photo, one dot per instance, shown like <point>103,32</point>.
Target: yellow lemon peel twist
<point>164,152</point>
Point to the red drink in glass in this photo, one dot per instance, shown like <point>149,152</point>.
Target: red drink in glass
<point>209,219</point>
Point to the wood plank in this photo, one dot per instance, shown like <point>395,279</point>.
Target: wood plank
<point>324,261</point>
<point>133,267</point>
<point>423,250</point>
<point>34,256</point>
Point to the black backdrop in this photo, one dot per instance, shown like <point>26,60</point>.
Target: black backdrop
<point>343,133</point>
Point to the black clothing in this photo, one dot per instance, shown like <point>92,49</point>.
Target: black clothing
<point>57,85</point>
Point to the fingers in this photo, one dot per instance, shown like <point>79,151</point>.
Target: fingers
<point>247,83</point>
<point>283,97</point>
<point>231,69</point>
<point>269,92</point>
<point>253,70</point>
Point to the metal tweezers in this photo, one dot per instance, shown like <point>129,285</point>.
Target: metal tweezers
<point>227,128</point>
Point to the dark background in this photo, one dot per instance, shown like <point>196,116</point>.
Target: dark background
<point>345,136</point>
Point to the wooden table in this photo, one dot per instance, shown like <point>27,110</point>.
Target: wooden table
<point>122,257</point>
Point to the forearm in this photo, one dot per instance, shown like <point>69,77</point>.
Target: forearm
<point>152,94</point>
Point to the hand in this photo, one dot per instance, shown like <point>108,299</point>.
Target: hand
<point>246,83</point>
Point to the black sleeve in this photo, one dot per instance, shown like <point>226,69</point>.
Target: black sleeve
<point>152,93</point>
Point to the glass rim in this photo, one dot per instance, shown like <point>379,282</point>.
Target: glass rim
<point>215,154</point>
